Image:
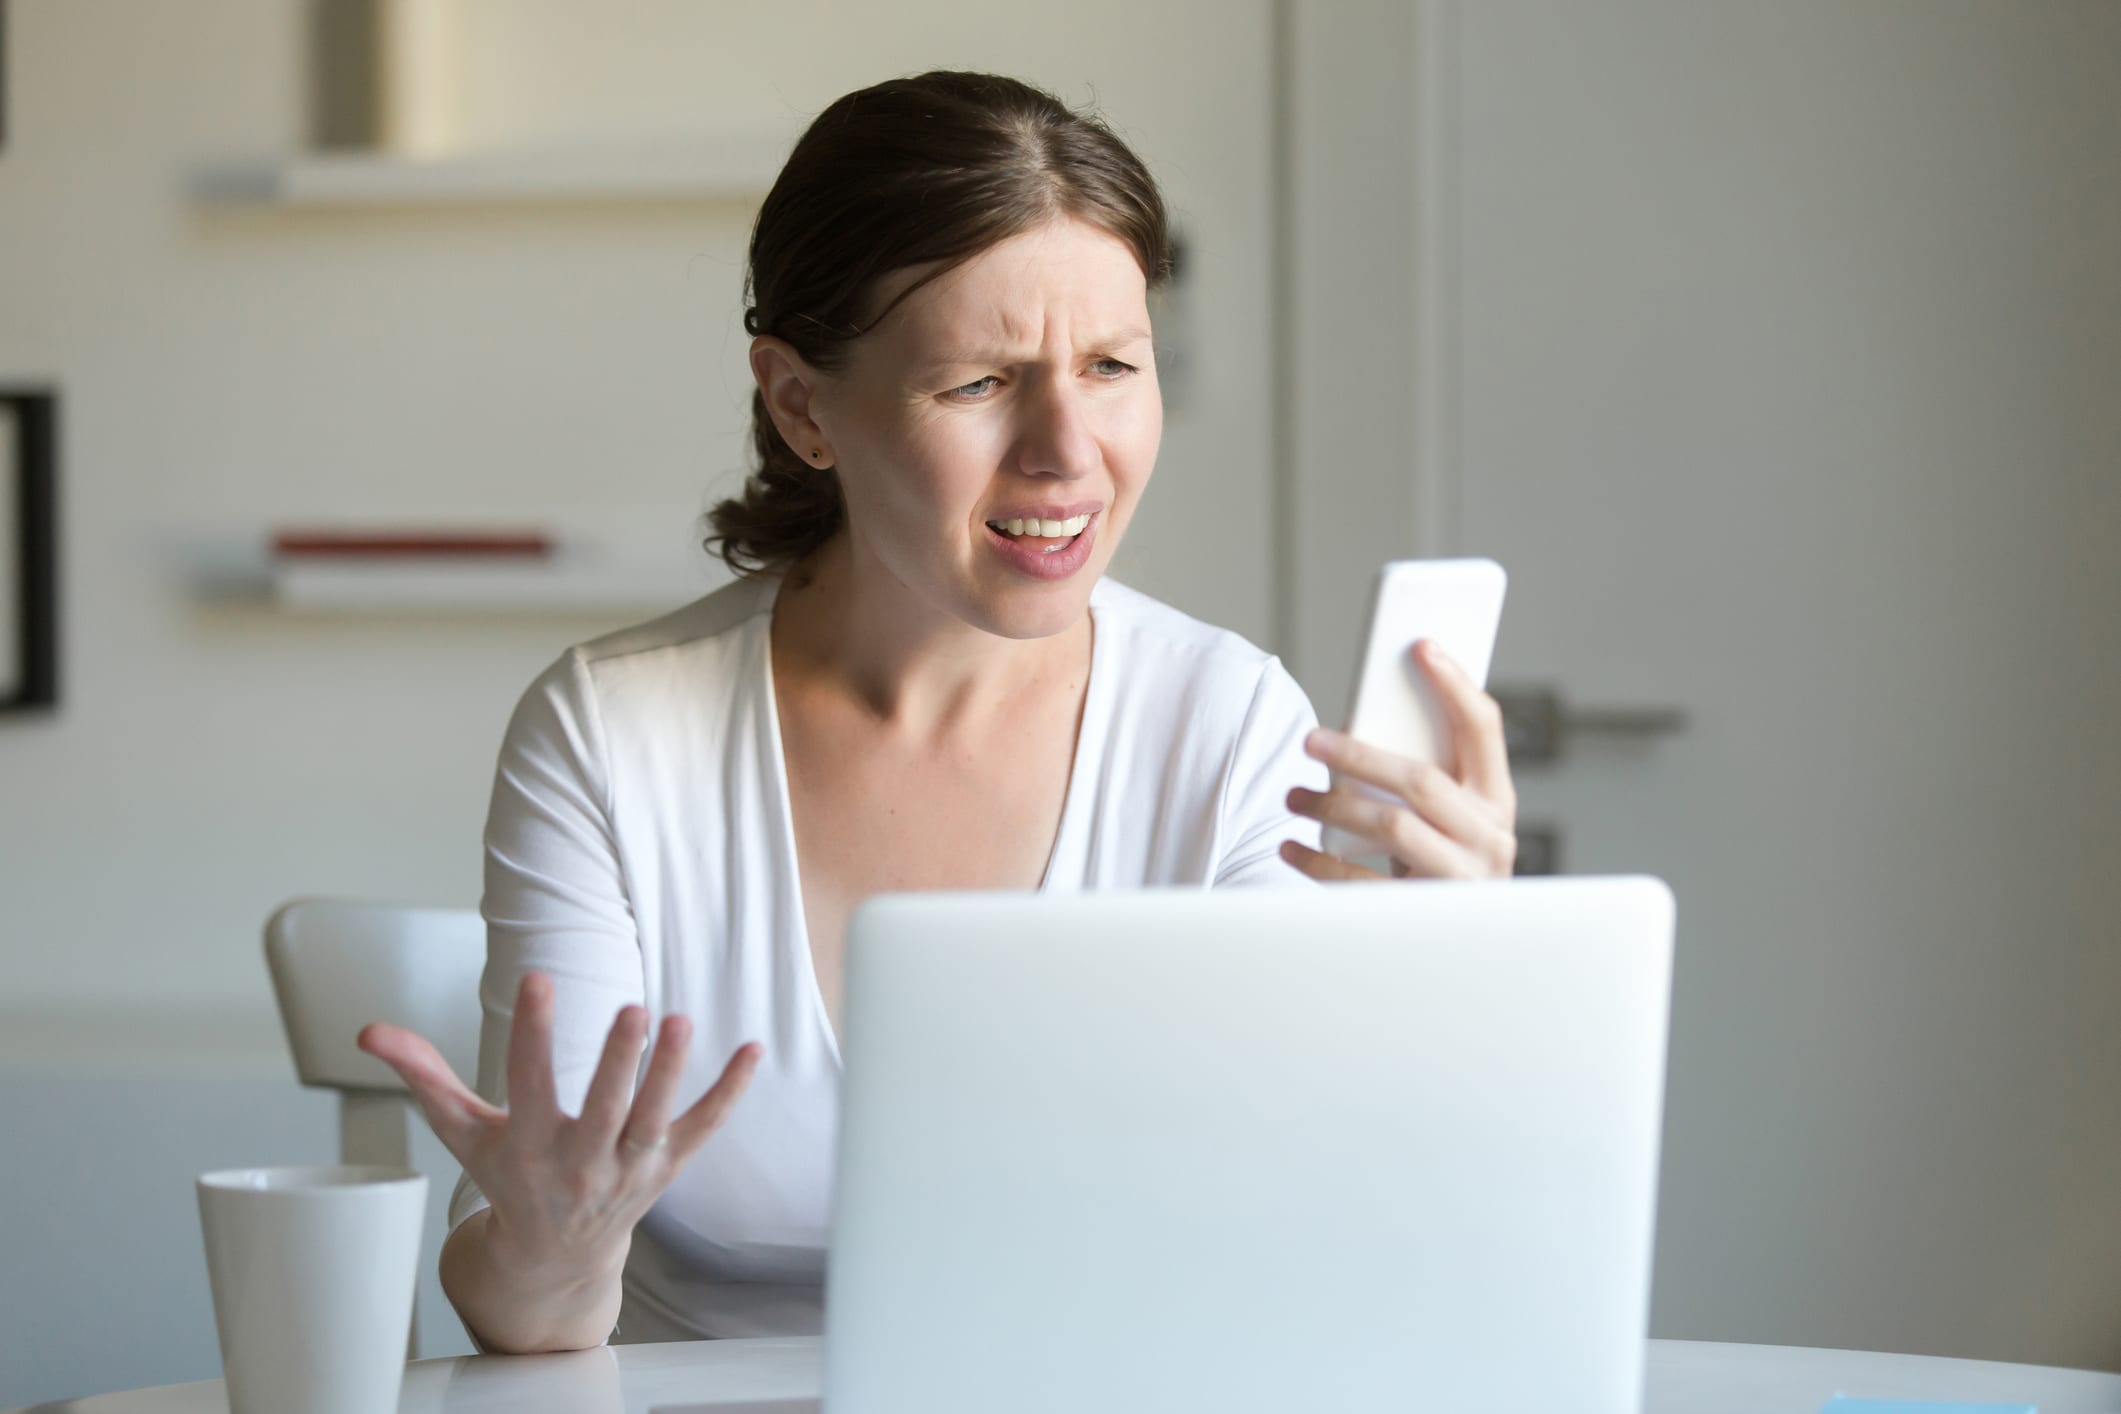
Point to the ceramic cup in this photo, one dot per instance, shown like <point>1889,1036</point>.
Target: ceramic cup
<point>313,1272</point>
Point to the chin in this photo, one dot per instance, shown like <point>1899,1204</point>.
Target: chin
<point>1041,613</point>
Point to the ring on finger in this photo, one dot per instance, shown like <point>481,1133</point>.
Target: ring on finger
<point>639,1146</point>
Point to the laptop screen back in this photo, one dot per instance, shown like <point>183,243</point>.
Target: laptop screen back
<point>1358,1147</point>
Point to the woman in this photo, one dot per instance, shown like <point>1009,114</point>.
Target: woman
<point>921,681</point>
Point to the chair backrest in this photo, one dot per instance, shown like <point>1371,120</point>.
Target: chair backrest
<point>338,964</point>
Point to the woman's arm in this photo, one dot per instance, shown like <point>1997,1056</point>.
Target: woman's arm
<point>1253,817</point>
<point>514,1306</point>
<point>561,1158</point>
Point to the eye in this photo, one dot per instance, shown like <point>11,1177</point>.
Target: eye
<point>974,391</point>
<point>1112,368</point>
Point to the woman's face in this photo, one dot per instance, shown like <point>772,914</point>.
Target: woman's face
<point>1018,387</point>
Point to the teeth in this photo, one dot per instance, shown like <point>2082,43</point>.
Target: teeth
<point>1044,529</point>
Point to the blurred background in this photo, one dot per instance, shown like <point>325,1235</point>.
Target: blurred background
<point>1774,347</point>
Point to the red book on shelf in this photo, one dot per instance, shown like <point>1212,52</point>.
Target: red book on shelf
<point>325,543</point>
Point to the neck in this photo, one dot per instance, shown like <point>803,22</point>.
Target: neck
<point>845,624</point>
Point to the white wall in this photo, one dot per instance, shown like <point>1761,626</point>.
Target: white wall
<point>226,370</point>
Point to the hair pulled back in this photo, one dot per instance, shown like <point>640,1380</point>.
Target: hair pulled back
<point>932,169</point>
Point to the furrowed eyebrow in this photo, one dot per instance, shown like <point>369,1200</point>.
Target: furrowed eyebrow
<point>992,358</point>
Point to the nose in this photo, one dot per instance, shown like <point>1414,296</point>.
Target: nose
<point>1056,437</point>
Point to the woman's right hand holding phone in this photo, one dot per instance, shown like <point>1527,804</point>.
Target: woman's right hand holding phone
<point>564,1192</point>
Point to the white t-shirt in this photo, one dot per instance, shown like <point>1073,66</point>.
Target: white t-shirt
<point>639,849</point>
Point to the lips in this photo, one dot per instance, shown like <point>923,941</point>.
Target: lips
<point>1031,557</point>
<point>1049,510</point>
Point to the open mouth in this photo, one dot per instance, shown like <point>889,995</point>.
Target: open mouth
<point>1046,550</point>
<point>1046,536</point>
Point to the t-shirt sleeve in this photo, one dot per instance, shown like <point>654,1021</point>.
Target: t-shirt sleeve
<point>1267,760</point>
<point>555,896</point>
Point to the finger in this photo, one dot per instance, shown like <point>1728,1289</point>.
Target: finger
<point>691,1129</point>
<point>646,1125</point>
<point>1429,789</point>
<point>453,1109</point>
<point>604,1108</point>
<point>531,1105</point>
<point>1476,725</point>
<point>1405,836</point>
<point>1326,868</point>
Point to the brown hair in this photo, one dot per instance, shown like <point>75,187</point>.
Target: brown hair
<point>932,169</point>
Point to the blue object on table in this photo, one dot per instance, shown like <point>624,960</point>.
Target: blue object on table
<point>1842,1404</point>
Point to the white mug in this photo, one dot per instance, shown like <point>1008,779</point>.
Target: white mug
<point>313,1272</point>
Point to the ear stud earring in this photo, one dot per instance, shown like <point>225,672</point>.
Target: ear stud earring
<point>815,453</point>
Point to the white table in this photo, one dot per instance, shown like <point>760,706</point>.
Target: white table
<point>1684,1377</point>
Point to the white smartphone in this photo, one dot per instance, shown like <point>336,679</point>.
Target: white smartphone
<point>1459,604</point>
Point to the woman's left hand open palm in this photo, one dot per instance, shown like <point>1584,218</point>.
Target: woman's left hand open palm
<point>1440,824</point>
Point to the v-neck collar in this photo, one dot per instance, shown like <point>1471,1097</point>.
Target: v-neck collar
<point>1089,730</point>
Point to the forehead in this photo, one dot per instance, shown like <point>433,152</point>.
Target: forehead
<point>1067,273</point>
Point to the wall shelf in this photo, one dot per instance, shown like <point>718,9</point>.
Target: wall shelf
<point>584,574</point>
<point>723,167</point>
<point>557,586</point>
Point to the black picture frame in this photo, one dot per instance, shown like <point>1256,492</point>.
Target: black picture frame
<point>29,561</point>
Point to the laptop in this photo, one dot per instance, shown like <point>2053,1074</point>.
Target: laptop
<point>1386,1146</point>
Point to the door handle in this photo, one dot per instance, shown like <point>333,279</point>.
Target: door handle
<point>1537,724</point>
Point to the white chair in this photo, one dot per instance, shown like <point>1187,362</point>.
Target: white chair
<point>337,965</point>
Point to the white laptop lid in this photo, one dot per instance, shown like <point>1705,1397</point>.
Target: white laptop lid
<point>1348,1148</point>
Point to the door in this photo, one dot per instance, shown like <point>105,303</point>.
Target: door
<point>1775,350</point>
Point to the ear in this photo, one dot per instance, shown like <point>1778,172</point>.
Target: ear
<point>790,386</point>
